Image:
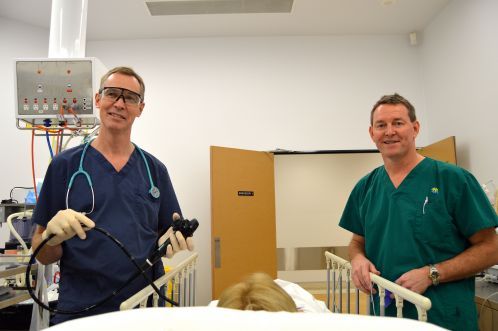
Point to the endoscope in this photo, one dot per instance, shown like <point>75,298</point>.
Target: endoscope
<point>186,228</point>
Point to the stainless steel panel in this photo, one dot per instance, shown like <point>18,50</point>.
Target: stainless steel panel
<point>217,252</point>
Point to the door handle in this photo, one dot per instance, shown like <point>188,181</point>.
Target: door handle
<point>217,252</point>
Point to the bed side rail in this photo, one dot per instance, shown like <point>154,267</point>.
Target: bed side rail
<point>179,284</point>
<point>339,267</point>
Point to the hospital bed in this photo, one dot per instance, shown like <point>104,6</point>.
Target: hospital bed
<point>341,272</point>
<point>179,284</point>
<point>220,319</point>
<point>223,319</point>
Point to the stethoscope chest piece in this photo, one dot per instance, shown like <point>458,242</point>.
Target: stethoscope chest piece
<point>154,191</point>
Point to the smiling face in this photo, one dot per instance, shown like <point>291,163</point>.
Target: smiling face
<point>116,115</point>
<point>393,132</point>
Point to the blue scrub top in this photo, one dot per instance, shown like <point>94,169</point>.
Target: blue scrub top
<point>426,220</point>
<point>92,268</point>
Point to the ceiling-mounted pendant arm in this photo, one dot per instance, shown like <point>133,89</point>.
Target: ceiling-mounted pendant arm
<point>68,29</point>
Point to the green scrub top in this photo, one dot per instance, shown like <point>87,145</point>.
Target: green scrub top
<point>426,220</point>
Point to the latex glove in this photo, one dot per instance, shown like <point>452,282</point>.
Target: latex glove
<point>65,225</point>
<point>177,241</point>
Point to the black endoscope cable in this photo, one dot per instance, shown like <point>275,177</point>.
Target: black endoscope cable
<point>185,226</point>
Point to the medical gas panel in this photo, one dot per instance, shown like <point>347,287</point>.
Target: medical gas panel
<point>57,92</point>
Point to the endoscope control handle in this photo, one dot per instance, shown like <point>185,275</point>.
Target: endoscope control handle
<point>186,228</point>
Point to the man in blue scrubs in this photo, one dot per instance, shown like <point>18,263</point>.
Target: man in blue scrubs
<point>421,223</point>
<point>120,200</point>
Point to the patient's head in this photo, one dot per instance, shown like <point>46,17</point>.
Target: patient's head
<point>257,292</point>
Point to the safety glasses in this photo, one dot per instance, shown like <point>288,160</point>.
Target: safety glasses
<point>115,93</point>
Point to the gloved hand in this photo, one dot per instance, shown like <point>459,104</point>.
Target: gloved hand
<point>65,224</point>
<point>178,242</point>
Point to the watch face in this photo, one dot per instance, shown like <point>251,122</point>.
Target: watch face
<point>434,274</point>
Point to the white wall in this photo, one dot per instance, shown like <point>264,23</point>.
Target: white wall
<point>16,41</point>
<point>311,191</point>
<point>299,93</point>
<point>460,64</point>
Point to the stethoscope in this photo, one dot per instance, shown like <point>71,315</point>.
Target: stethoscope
<point>153,191</point>
<point>186,227</point>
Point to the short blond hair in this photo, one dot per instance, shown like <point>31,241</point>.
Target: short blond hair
<point>257,292</point>
<point>127,71</point>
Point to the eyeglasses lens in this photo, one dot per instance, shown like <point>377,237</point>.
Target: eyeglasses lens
<point>114,93</point>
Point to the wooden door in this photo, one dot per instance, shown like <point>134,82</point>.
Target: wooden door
<point>243,235</point>
<point>443,150</point>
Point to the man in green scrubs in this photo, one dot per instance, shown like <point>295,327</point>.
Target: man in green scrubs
<point>424,224</point>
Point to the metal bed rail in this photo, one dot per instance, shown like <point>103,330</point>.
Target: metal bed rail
<point>179,284</point>
<point>339,267</point>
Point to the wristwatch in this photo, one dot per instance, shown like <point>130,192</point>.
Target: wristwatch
<point>433,274</point>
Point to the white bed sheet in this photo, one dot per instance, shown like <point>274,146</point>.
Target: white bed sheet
<point>219,319</point>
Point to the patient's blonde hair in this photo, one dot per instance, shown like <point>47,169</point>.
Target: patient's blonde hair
<point>257,292</point>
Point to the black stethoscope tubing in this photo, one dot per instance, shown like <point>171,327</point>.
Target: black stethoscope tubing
<point>141,271</point>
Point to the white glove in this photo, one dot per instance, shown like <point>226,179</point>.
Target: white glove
<point>177,241</point>
<point>65,224</point>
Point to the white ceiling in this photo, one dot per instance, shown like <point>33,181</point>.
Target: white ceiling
<point>130,19</point>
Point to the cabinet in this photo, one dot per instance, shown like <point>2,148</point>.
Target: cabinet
<point>10,270</point>
<point>487,309</point>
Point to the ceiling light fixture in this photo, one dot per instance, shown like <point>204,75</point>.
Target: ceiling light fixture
<point>194,7</point>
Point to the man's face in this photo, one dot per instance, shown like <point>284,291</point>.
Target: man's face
<point>392,131</point>
<point>118,115</point>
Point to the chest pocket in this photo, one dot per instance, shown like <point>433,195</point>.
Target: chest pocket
<point>146,206</point>
<point>433,223</point>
